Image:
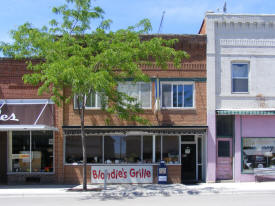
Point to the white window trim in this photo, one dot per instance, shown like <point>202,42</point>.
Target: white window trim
<point>248,72</point>
<point>88,108</point>
<point>139,92</point>
<point>179,83</point>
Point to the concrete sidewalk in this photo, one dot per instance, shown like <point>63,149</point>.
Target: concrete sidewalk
<point>131,191</point>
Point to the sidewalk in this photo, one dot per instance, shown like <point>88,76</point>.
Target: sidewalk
<point>132,191</point>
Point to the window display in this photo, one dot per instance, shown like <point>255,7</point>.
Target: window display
<point>74,154</point>
<point>170,149</point>
<point>257,153</point>
<point>147,149</point>
<point>30,151</point>
<point>121,149</point>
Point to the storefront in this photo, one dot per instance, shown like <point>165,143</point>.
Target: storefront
<point>248,143</point>
<point>131,154</point>
<point>27,137</point>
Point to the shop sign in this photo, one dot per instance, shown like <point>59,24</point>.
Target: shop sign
<point>5,117</point>
<point>122,174</point>
<point>27,114</point>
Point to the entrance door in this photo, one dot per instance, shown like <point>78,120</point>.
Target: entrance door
<point>224,159</point>
<point>188,162</point>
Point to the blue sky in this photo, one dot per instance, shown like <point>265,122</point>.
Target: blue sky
<point>181,17</point>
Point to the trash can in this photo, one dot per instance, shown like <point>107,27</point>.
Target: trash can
<point>162,173</point>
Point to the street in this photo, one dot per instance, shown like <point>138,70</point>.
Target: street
<point>249,199</point>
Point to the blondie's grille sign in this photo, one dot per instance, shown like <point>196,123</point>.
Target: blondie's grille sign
<point>122,174</point>
<point>26,114</point>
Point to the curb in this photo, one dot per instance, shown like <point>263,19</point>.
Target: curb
<point>110,194</point>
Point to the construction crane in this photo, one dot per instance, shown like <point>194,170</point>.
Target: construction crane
<point>161,22</point>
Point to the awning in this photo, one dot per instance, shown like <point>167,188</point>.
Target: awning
<point>247,112</point>
<point>135,130</point>
<point>26,114</point>
<point>26,127</point>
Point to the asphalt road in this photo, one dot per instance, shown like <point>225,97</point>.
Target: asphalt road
<point>252,199</point>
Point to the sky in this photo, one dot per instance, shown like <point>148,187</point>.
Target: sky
<point>181,16</point>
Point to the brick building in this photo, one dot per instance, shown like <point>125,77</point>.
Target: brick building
<point>174,102</point>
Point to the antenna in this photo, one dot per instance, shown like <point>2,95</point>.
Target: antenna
<point>224,7</point>
<point>161,22</point>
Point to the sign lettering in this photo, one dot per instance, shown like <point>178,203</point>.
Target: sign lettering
<point>122,174</point>
<point>5,117</point>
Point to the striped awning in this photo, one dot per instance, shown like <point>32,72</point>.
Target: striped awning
<point>246,112</point>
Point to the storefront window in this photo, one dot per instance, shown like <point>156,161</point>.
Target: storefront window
<point>147,149</point>
<point>34,157</point>
<point>42,151</point>
<point>158,148</point>
<point>122,149</point>
<point>257,153</point>
<point>170,149</point>
<point>74,149</point>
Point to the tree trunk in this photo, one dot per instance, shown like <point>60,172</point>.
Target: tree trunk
<point>83,137</point>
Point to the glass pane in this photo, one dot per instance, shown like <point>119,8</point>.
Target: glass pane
<point>94,149</point>
<point>42,151</point>
<point>73,150</point>
<point>239,70</point>
<point>170,149</point>
<point>133,90</point>
<point>19,152</point>
<point>147,149</point>
<point>175,96</point>
<point>158,148</point>
<point>188,95</point>
<point>180,95</point>
<point>145,97</point>
<point>75,103</point>
<point>188,138</point>
<point>133,149</point>
<point>240,85</point>
<point>225,126</point>
<point>114,149</point>
<point>166,95</point>
<point>98,96</point>
<point>223,148</point>
<point>258,153</point>
<point>122,88</point>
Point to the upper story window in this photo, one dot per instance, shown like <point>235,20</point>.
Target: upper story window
<point>240,77</point>
<point>93,101</point>
<point>140,90</point>
<point>177,95</point>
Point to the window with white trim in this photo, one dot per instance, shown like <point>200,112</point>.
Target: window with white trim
<point>177,95</point>
<point>239,77</point>
<point>140,90</point>
<point>93,101</point>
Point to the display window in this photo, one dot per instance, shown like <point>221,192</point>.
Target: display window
<point>30,151</point>
<point>121,149</point>
<point>257,153</point>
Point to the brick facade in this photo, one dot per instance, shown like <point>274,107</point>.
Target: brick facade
<point>12,87</point>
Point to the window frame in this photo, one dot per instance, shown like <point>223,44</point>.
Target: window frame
<point>139,91</point>
<point>88,107</point>
<point>232,78</point>
<point>183,83</point>
<point>154,161</point>
<point>242,155</point>
<point>30,137</point>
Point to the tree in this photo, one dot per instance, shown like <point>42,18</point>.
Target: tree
<point>89,60</point>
